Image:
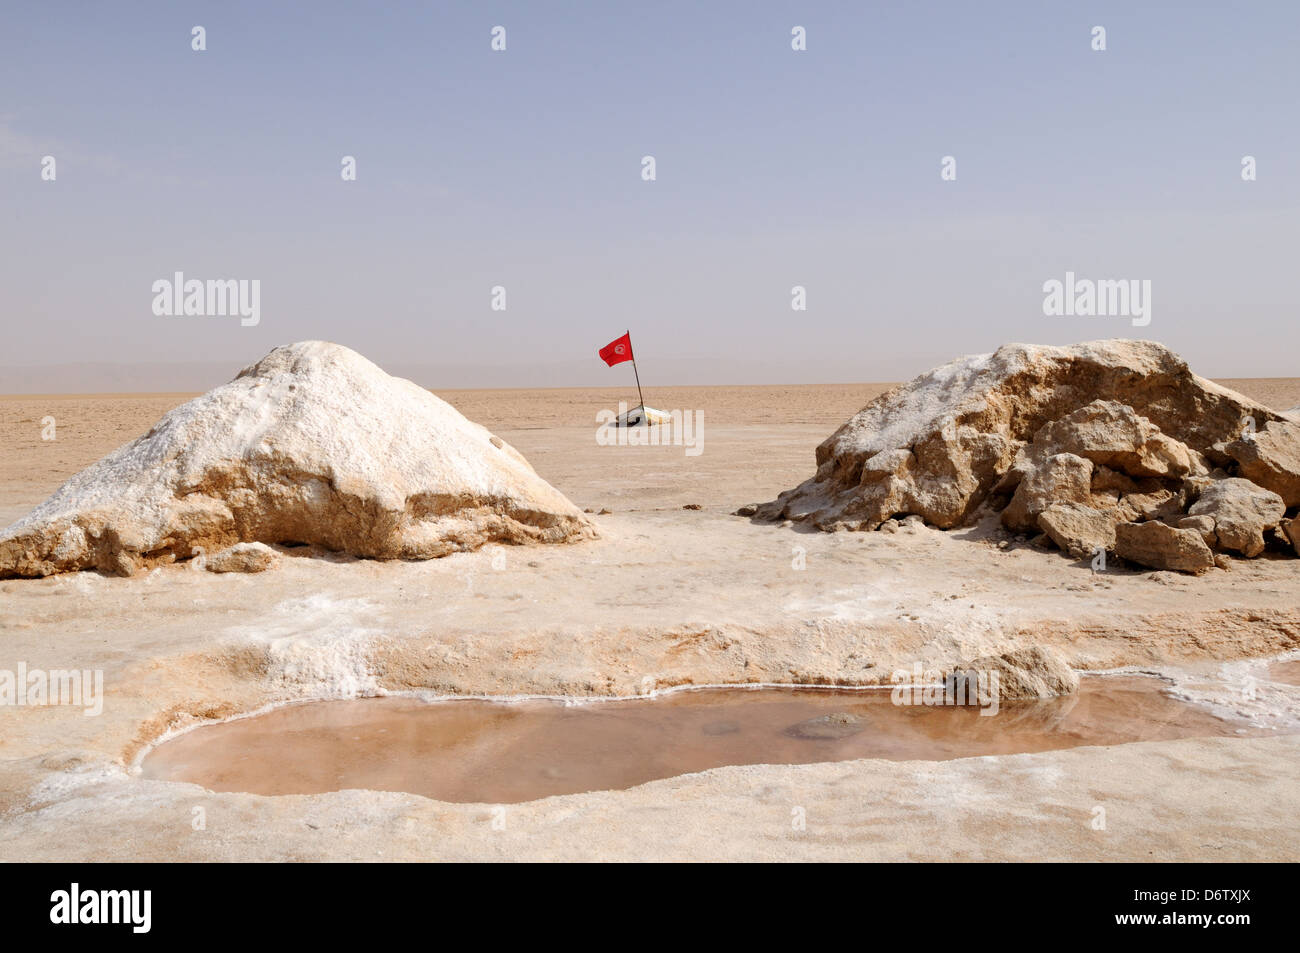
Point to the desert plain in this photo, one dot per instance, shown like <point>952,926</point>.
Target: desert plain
<point>666,597</point>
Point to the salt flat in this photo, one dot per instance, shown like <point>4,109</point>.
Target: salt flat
<point>666,596</point>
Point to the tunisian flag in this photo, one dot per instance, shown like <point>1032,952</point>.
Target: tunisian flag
<point>618,350</point>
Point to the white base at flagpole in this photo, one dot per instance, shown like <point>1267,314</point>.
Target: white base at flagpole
<point>642,417</point>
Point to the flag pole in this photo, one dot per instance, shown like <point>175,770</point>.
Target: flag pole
<point>637,373</point>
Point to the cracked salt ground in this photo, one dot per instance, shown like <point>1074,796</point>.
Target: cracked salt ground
<point>477,750</point>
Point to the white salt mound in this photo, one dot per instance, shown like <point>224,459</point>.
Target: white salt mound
<point>313,444</point>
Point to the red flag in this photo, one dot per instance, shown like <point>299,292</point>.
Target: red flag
<point>618,350</point>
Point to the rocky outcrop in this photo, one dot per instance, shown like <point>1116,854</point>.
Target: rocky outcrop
<point>1242,513</point>
<point>1161,546</point>
<point>313,444</point>
<point>1040,435</point>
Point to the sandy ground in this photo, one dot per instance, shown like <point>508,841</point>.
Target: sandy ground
<point>666,597</point>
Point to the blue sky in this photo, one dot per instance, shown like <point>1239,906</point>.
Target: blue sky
<point>775,168</point>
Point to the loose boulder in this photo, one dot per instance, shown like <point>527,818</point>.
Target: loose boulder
<point>1161,546</point>
<point>243,557</point>
<point>1032,672</point>
<point>1203,525</point>
<point>1113,435</point>
<point>1078,529</point>
<point>1292,530</point>
<point>1270,458</point>
<point>1062,477</point>
<point>1242,513</point>
<point>830,727</point>
<point>313,444</point>
<point>1159,504</point>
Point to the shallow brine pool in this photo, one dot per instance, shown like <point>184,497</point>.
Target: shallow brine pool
<point>506,752</point>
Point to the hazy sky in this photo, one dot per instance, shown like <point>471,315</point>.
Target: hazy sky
<point>774,168</point>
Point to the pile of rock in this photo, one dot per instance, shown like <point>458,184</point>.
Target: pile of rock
<point>1110,445</point>
<point>312,445</point>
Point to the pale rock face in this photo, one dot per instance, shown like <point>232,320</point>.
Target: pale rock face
<point>939,445</point>
<point>1271,459</point>
<point>243,557</point>
<point>313,444</point>
<point>1161,546</point>
<point>1078,529</point>
<point>1242,513</point>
